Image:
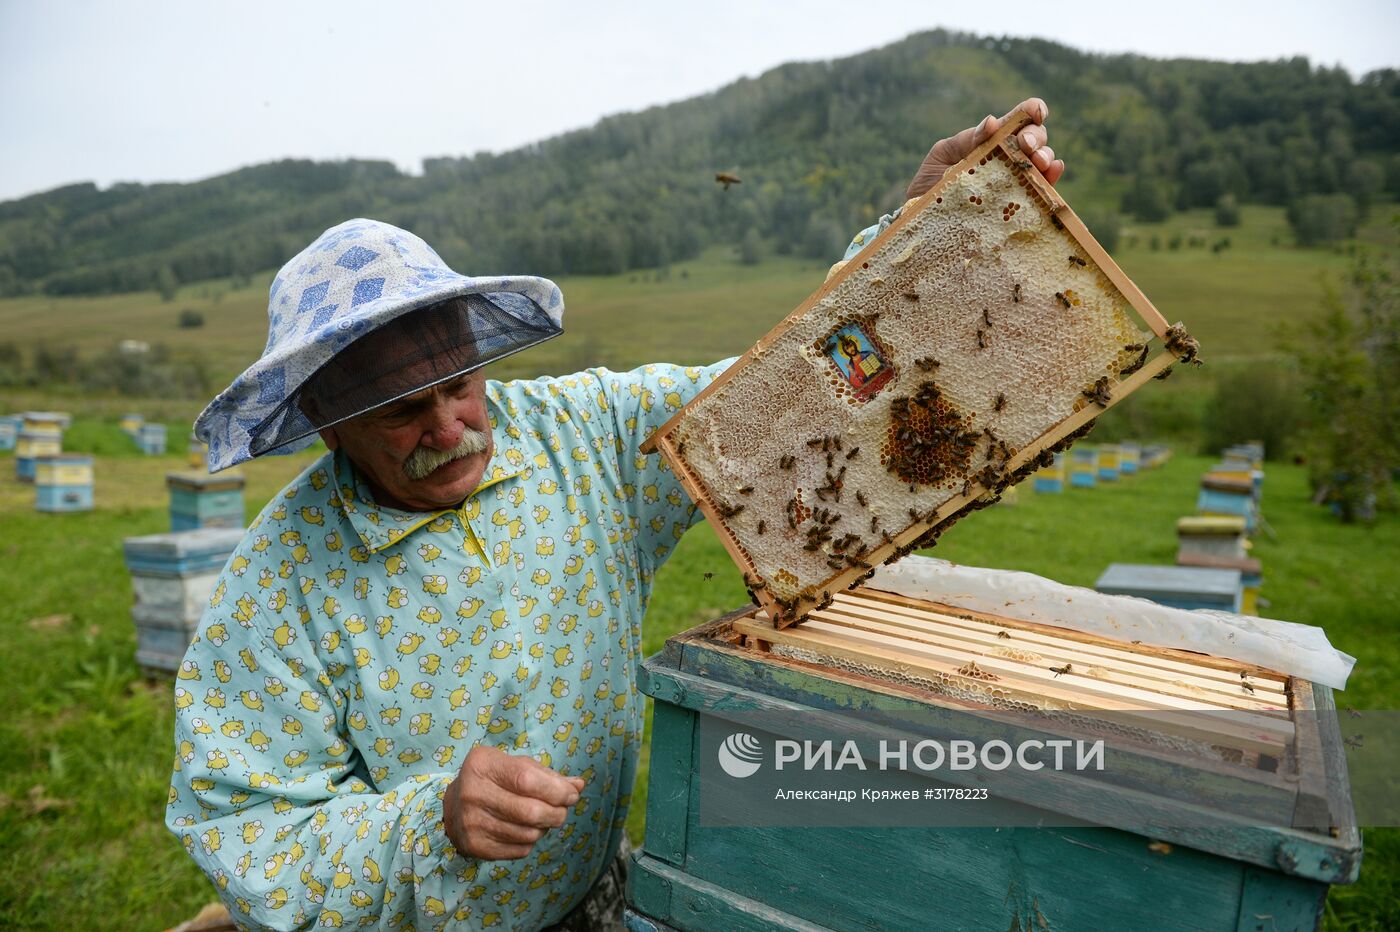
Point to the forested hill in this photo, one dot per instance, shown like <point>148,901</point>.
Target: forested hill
<point>821,148</point>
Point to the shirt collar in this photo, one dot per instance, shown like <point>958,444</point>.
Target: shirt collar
<point>380,526</point>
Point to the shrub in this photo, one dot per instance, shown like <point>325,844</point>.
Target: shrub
<point>189,319</point>
<point>1227,211</point>
<point>1322,219</point>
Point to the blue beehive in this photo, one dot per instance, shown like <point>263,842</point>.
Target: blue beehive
<point>1227,494</point>
<point>1084,467</point>
<point>63,482</point>
<point>172,576</point>
<point>9,432</point>
<point>1108,462</point>
<point>152,439</point>
<point>1051,478</point>
<point>29,446</point>
<point>200,500</point>
<point>1129,458</point>
<point>1186,587</point>
<point>699,870</point>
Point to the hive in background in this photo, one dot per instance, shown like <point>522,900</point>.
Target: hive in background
<point>1050,478</point>
<point>200,500</point>
<point>1108,462</point>
<point>982,330</point>
<point>131,425</point>
<point>151,438</point>
<point>63,482</point>
<point>30,446</point>
<point>172,577</point>
<point>9,431</point>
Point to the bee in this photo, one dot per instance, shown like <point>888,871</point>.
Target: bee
<point>1055,219</point>
<point>1160,847</point>
<point>1246,687</point>
<point>1352,712</point>
<point>1016,293</point>
<point>680,448</point>
<point>708,576</point>
<point>1099,392</point>
<point>830,458</point>
<point>1182,345</point>
<point>1000,403</point>
<point>1075,260</point>
<point>836,442</point>
<point>1136,364</point>
<point>991,435</point>
<point>762,526</point>
<point>873,521</point>
<point>1060,296</point>
<point>728,511</point>
<point>816,442</point>
<point>754,584</point>
<point>860,497</point>
<point>987,316</point>
<point>927,363</point>
<point>1163,375</point>
<point>726,179</point>
<point>910,295</point>
<point>966,487</point>
<point>1004,635</point>
<point>1354,742</point>
<point>1060,671</point>
<point>852,454</point>
<point>836,564</point>
<point>746,490</point>
<point>786,462</point>
<point>981,338</point>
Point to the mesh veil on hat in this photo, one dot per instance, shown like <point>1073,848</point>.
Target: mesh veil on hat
<point>354,279</point>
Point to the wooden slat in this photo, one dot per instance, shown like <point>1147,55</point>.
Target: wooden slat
<point>1230,729</point>
<point>1268,689</point>
<point>1212,694</point>
<point>1162,656</point>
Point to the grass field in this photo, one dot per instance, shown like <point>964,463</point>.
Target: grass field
<point>85,744</point>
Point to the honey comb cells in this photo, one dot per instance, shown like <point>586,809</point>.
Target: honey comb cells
<point>940,363</point>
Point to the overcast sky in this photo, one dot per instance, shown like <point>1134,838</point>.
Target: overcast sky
<point>175,90</point>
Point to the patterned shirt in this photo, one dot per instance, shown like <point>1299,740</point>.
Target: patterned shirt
<point>351,655</point>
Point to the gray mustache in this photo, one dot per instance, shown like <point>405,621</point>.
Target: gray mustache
<point>422,461</point>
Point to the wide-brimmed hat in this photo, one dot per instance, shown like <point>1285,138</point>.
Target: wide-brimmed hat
<point>355,278</point>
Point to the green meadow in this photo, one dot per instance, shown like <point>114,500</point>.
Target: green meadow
<point>85,744</point>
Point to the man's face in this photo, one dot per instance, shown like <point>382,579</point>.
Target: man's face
<point>398,446</point>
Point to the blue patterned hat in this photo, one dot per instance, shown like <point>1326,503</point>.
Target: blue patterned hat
<point>355,278</point>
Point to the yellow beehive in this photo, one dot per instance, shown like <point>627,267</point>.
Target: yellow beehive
<point>984,328</point>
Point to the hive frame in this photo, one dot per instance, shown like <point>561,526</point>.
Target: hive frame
<point>1000,144</point>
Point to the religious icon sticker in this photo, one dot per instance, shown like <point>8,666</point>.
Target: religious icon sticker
<point>858,364</point>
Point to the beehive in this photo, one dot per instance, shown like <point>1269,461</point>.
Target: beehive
<point>1129,457</point>
<point>63,482</point>
<point>9,432</point>
<point>1185,587</point>
<point>131,425</point>
<point>1108,462</point>
<point>172,577</point>
<point>29,446</point>
<point>1159,828</point>
<point>200,500</point>
<point>1050,478</point>
<point>1084,467</point>
<point>152,439</point>
<point>1226,494</point>
<point>1221,536</point>
<point>984,328</point>
<point>45,422</point>
<point>1155,455</point>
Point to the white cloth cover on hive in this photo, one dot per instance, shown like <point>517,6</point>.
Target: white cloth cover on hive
<point>1283,646</point>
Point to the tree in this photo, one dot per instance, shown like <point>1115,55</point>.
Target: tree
<point>166,283</point>
<point>751,248</point>
<point>1227,211</point>
<point>1147,199</point>
<point>1322,219</point>
<point>189,319</point>
<point>1349,355</point>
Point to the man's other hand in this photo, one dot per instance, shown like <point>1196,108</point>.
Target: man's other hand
<point>501,804</point>
<point>948,152</point>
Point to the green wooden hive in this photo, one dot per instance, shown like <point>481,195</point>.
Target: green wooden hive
<point>1206,873</point>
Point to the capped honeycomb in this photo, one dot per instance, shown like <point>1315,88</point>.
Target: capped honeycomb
<point>981,330</point>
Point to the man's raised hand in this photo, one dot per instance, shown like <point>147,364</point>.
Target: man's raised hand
<point>501,804</point>
<point>948,152</point>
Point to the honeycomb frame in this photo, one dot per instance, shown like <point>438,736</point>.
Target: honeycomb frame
<point>949,358</point>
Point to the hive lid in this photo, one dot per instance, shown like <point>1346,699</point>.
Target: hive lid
<point>983,329</point>
<point>181,552</point>
<point>204,482</point>
<point>1222,525</point>
<point>1141,579</point>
